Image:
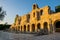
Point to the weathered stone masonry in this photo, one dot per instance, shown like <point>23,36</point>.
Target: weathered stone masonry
<point>36,20</point>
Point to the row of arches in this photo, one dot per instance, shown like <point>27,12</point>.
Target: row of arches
<point>53,27</point>
<point>33,27</point>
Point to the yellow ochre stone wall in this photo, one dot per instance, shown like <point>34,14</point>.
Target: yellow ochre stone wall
<point>46,16</point>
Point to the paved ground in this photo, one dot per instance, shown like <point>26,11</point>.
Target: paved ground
<point>12,36</point>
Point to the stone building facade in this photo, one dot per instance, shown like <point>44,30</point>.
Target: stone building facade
<point>37,20</point>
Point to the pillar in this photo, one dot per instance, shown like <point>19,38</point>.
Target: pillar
<point>36,28</point>
<point>30,28</point>
<point>26,28</point>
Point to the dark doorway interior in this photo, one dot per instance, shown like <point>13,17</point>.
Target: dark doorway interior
<point>38,27</point>
<point>24,28</point>
<point>21,28</point>
<point>45,28</point>
<point>28,28</point>
<point>57,25</point>
<point>33,27</point>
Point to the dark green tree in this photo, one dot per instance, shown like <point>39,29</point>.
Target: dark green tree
<point>57,8</point>
<point>2,14</point>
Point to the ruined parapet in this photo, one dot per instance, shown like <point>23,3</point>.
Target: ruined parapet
<point>35,6</point>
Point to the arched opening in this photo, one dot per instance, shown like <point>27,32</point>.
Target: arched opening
<point>28,28</point>
<point>38,15</point>
<point>57,26</point>
<point>34,14</point>
<point>21,28</point>
<point>18,28</point>
<point>45,27</point>
<point>38,27</point>
<point>41,12</point>
<point>13,29</point>
<point>24,28</point>
<point>34,6</point>
<point>28,18</point>
<point>33,27</point>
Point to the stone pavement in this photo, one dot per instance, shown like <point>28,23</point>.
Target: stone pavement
<point>13,36</point>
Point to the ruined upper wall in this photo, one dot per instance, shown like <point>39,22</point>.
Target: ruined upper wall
<point>33,14</point>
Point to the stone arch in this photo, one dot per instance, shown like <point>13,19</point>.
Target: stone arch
<point>33,14</point>
<point>13,29</point>
<point>45,27</point>
<point>28,28</point>
<point>57,26</point>
<point>38,26</point>
<point>21,28</point>
<point>35,6</point>
<point>33,27</point>
<point>18,28</point>
<point>41,12</point>
<point>38,15</point>
<point>24,28</point>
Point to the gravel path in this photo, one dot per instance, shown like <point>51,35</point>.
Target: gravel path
<point>13,36</point>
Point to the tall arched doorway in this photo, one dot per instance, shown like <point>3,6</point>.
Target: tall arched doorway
<point>21,28</point>
<point>24,28</point>
<point>33,27</point>
<point>38,27</point>
<point>28,28</point>
<point>45,27</point>
<point>57,26</point>
<point>18,28</point>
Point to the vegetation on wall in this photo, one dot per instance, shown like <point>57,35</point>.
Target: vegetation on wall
<point>57,8</point>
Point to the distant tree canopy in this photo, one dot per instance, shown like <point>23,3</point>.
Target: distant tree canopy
<point>4,26</point>
<point>2,14</point>
<point>57,8</point>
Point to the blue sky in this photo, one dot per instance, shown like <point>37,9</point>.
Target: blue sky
<point>21,7</point>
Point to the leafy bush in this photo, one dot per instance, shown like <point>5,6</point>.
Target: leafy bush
<point>57,8</point>
<point>4,27</point>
